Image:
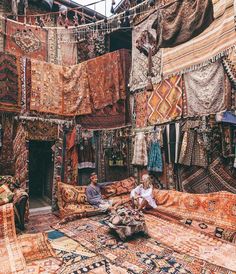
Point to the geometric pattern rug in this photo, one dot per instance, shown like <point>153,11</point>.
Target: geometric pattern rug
<point>140,254</point>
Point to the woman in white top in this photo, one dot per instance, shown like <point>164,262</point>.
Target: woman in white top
<point>142,195</point>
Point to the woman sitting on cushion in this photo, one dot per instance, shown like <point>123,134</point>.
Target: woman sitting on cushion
<point>142,195</point>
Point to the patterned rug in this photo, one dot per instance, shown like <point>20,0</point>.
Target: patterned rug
<point>210,45</point>
<point>140,254</point>
<point>165,102</point>
<point>141,109</point>
<point>11,257</point>
<point>10,90</point>
<point>29,42</point>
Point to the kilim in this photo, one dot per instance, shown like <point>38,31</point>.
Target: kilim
<point>205,90</point>
<point>140,157</point>
<point>11,259</point>
<point>179,21</point>
<point>216,208</point>
<point>10,88</point>
<point>165,102</point>
<point>140,254</point>
<point>141,109</point>
<point>229,63</point>
<point>213,43</point>
<point>140,63</point>
<point>29,42</point>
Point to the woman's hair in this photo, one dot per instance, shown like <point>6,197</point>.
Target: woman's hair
<point>146,180</point>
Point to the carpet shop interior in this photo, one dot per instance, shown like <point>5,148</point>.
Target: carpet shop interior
<point>118,137</point>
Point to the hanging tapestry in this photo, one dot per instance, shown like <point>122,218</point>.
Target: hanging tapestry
<point>108,117</point>
<point>29,42</point>
<point>107,76</point>
<point>6,151</point>
<point>205,90</point>
<point>222,175</point>
<point>41,131</point>
<point>76,95</point>
<point>21,156</point>
<point>86,154</point>
<point>90,45</point>
<point>52,46</point>
<point>140,157</point>
<point>179,21</point>
<point>165,102</point>
<point>140,60</point>
<point>141,100</point>
<point>67,47</point>
<point>212,44</point>
<point>47,86</point>
<point>229,63</point>
<point>11,259</point>
<point>227,140</point>
<point>10,87</point>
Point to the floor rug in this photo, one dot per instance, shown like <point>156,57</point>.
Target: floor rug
<point>138,255</point>
<point>35,246</point>
<point>11,257</point>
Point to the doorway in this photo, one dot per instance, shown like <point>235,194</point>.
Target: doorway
<point>40,173</point>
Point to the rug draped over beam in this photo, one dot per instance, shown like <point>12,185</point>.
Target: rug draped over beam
<point>216,41</point>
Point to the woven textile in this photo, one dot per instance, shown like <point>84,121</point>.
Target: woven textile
<point>26,42</point>
<point>229,63</point>
<point>189,241</point>
<point>21,156</point>
<point>41,131</point>
<point>67,47</point>
<point>35,246</point>
<point>165,102</point>
<point>140,156</point>
<point>10,88</point>
<point>140,63</point>
<point>76,93</point>
<point>214,208</point>
<point>109,117</point>
<point>5,195</point>
<point>179,21</point>
<point>11,259</point>
<point>205,90</point>
<point>141,109</point>
<point>212,44</point>
<point>139,254</point>
<point>107,76</point>
<point>155,158</point>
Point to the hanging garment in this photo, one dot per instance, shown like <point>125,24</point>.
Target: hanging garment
<point>171,137</point>
<point>154,158</point>
<point>229,63</point>
<point>86,155</point>
<point>226,117</point>
<point>140,157</point>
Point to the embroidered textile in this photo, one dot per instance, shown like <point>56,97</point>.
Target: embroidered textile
<point>179,21</point>
<point>86,157</point>
<point>154,158</point>
<point>10,88</point>
<point>140,157</point>
<point>140,62</point>
<point>109,117</point>
<point>26,41</point>
<point>107,76</point>
<point>186,240</point>
<point>216,208</point>
<point>11,259</point>
<point>205,90</point>
<point>141,100</point>
<point>35,246</point>
<point>165,102</point>
<point>212,44</point>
